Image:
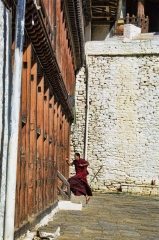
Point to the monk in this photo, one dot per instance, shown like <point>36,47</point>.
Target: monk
<point>78,183</point>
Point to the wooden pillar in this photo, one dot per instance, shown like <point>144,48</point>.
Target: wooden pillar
<point>33,138</point>
<point>68,139</point>
<point>55,151</point>
<point>55,133</point>
<point>21,210</point>
<point>65,147</point>
<point>23,121</point>
<point>46,144</point>
<point>40,140</point>
<point>61,143</point>
<point>51,162</point>
<point>28,101</point>
<point>46,4</point>
<point>57,137</point>
<point>141,8</point>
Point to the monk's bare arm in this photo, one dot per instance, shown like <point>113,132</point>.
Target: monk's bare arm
<point>84,164</point>
<point>69,164</point>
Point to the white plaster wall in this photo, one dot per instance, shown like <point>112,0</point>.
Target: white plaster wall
<point>5,85</point>
<point>1,62</point>
<point>123,133</point>
<point>2,187</point>
<point>78,128</point>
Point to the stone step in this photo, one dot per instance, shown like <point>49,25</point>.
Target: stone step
<point>140,189</point>
<point>68,205</point>
<point>144,36</point>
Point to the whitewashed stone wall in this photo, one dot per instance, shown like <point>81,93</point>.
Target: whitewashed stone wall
<point>123,132</point>
<point>5,84</point>
<point>78,128</point>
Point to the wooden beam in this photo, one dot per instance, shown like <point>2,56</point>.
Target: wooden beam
<point>100,17</point>
<point>103,15</point>
<point>99,10</point>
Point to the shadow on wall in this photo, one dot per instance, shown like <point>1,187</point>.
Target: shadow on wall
<point>99,33</point>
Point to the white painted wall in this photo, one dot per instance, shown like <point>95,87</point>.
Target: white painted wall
<point>78,128</point>
<point>2,174</point>
<point>5,85</point>
<point>123,131</point>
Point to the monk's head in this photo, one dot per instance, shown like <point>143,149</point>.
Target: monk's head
<point>77,156</point>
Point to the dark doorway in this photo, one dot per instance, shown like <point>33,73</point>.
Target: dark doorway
<point>152,11</point>
<point>131,7</point>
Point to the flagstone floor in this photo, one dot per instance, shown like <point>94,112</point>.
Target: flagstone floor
<point>109,217</point>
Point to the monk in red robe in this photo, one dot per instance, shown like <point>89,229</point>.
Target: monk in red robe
<point>78,183</point>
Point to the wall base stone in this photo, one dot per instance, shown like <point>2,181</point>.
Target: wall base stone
<point>140,189</point>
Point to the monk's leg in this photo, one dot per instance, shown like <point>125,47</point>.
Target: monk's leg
<point>87,198</point>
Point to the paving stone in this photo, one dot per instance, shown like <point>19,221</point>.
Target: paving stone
<point>110,233</point>
<point>110,217</point>
<point>129,233</point>
<point>102,238</point>
<point>97,238</point>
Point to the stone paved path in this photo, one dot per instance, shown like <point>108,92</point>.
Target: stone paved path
<point>110,216</point>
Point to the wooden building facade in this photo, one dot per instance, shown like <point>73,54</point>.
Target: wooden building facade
<point>53,51</point>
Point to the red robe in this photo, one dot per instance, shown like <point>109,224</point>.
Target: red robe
<point>78,183</point>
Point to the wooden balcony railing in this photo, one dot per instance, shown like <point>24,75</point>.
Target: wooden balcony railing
<point>142,22</point>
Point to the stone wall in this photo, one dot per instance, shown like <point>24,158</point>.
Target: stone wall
<point>5,89</point>
<point>78,127</point>
<point>123,130</point>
